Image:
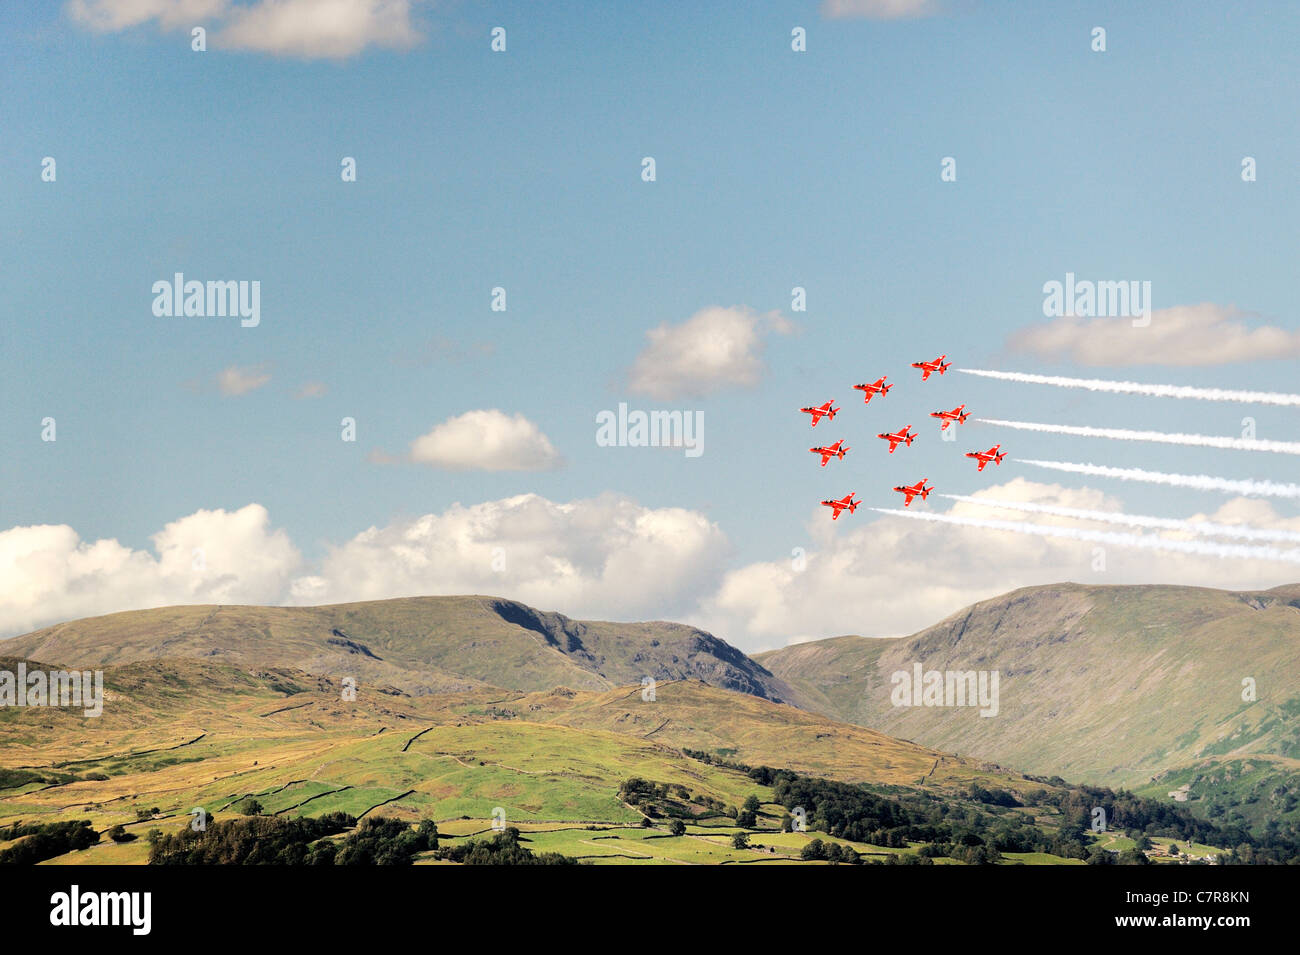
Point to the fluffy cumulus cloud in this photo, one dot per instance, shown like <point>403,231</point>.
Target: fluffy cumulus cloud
<point>486,440</point>
<point>878,9</point>
<point>307,29</point>
<point>49,574</point>
<point>891,576</point>
<point>335,29</point>
<point>610,557</point>
<point>601,557</point>
<point>1205,334</point>
<point>715,348</point>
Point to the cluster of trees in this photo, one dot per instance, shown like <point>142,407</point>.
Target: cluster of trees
<point>1140,817</point>
<point>1125,811</point>
<point>377,841</point>
<point>501,849</point>
<point>13,778</point>
<point>658,800</point>
<point>255,840</point>
<point>832,852</point>
<point>993,797</point>
<point>844,810</point>
<point>1246,854</point>
<point>273,840</point>
<point>1099,856</point>
<point>949,827</point>
<point>41,841</point>
<point>970,834</point>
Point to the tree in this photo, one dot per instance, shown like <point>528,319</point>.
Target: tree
<point>427,833</point>
<point>787,823</point>
<point>740,841</point>
<point>250,807</point>
<point>119,834</point>
<point>747,819</point>
<point>751,803</point>
<point>677,827</point>
<point>815,849</point>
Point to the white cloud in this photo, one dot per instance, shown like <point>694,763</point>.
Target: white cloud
<point>485,440</point>
<point>890,576</point>
<point>309,29</point>
<point>235,381</point>
<point>311,389</point>
<point>1205,334</point>
<point>110,16</point>
<point>609,557</point>
<point>602,557</point>
<point>49,574</point>
<point>715,348</point>
<point>334,29</point>
<point>878,9</point>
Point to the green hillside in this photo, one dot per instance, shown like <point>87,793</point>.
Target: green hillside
<point>580,773</point>
<point>1114,685</point>
<point>468,704</point>
<point>178,735</point>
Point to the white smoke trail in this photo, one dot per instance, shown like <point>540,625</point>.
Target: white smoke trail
<point>1200,482</point>
<point>1118,538</point>
<point>1161,437</point>
<point>1203,528</point>
<point>1138,388</point>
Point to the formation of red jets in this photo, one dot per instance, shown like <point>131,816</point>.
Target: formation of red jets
<point>904,436</point>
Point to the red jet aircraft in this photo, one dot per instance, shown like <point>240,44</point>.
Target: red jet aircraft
<point>948,416</point>
<point>877,387</point>
<point>833,451</point>
<point>984,457</point>
<point>930,366</point>
<point>898,437</point>
<point>913,490</point>
<point>841,504</point>
<point>821,410</point>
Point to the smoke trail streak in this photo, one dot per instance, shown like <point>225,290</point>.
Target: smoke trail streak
<point>1161,437</point>
<point>1138,388</point>
<point>1118,538</point>
<point>1200,482</point>
<point>1203,528</point>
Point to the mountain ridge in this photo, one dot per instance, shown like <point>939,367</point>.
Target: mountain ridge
<point>419,644</point>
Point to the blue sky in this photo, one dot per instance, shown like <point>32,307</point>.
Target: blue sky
<point>521,169</point>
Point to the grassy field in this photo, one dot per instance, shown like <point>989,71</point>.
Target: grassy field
<point>178,736</point>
